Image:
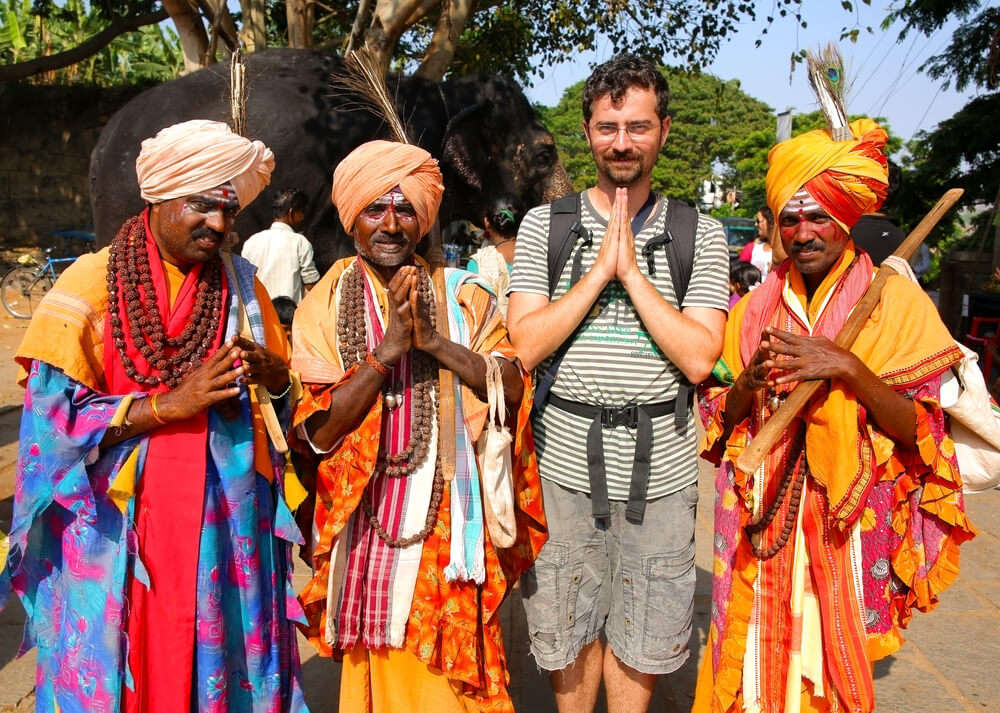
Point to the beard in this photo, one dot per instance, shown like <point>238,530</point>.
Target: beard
<point>621,174</point>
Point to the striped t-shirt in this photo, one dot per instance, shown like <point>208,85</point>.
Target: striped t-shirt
<point>613,361</point>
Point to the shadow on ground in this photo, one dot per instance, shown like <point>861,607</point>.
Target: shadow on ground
<point>530,688</point>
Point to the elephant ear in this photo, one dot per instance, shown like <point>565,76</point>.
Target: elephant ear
<point>466,146</point>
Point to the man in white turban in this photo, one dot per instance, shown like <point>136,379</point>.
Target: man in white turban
<point>152,527</point>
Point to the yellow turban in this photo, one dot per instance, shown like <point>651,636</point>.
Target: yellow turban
<point>847,178</point>
<point>199,155</point>
<point>375,168</point>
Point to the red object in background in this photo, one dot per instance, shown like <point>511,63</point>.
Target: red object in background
<point>983,341</point>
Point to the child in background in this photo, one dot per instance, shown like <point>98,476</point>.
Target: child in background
<point>285,307</point>
<point>743,277</point>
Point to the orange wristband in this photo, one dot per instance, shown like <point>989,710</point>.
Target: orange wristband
<point>372,361</point>
<point>156,413</point>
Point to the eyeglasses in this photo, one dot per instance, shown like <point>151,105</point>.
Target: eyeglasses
<point>638,131</point>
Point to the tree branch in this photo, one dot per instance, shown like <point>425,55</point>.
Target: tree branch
<point>118,26</point>
<point>441,50</point>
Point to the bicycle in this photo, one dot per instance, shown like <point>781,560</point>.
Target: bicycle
<point>24,285</point>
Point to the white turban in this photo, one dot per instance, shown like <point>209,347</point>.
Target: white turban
<point>199,155</point>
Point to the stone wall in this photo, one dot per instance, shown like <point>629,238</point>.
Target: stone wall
<point>46,136</point>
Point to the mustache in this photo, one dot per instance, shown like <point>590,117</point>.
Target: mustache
<point>617,155</point>
<point>206,232</point>
<point>811,245</point>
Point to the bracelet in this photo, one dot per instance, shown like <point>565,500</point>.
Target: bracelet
<point>156,413</point>
<point>372,361</point>
<point>275,397</point>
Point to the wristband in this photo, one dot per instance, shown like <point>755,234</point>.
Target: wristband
<point>372,361</point>
<point>156,413</point>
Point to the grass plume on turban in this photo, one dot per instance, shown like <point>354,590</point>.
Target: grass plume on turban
<point>375,168</point>
<point>847,178</point>
<point>199,155</point>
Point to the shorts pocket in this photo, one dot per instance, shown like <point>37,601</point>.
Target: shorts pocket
<point>670,582</point>
<point>546,587</point>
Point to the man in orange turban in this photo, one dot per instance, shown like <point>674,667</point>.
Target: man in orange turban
<point>408,579</point>
<point>855,517</point>
<point>152,538</point>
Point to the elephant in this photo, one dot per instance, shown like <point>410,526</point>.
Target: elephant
<point>487,138</point>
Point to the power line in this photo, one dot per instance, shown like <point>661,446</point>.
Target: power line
<point>927,110</point>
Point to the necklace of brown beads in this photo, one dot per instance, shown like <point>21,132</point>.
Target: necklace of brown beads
<point>794,478</point>
<point>132,305</point>
<point>352,334</point>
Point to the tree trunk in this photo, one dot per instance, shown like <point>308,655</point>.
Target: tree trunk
<point>254,24</point>
<point>441,50</point>
<point>48,63</point>
<point>300,23</point>
<point>389,21</point>
<point>194,39</point>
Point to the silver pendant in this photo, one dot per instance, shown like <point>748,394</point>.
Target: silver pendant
<point>390,401</point>
<point>774,403</point>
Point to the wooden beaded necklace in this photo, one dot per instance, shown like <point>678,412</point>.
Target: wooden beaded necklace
<point>794,475</point>
<point>129,276</point>
<point>352,334</point>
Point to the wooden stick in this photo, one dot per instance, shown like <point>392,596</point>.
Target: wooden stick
<point>751,458</point>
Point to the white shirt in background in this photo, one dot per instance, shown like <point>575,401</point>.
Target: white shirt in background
<point>284,261</point>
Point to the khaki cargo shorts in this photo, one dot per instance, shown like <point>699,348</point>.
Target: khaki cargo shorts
<point>634,581</point>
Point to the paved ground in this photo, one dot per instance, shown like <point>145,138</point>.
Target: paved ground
<point>946,666</point>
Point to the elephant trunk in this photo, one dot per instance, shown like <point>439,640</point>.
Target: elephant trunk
<point>558,184</point>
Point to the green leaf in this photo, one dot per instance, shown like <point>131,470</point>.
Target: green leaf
<point>15,36</point>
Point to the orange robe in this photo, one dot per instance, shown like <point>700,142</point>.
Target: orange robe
<point>453,631</point>
<point>876,535</point>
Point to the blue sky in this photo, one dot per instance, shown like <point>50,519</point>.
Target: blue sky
<point>884,74</point>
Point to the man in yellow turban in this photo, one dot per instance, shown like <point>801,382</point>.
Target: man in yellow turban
<point>151,540</point>
<point>855,518</point>
<point>408,577</point>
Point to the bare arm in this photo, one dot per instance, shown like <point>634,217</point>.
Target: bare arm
<point>349,404</point>
<point>691,339</point>
<point>538,326</point>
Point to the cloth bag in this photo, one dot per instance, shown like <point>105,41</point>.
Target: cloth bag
<point>974,415</point>
<point>495,467</point>
<point>975,424</point>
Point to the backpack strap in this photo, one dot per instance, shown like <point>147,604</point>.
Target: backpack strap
<point>677,241</point>
<point>565,228</point>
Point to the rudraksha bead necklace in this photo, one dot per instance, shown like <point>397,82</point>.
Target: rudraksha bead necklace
<point>352,334</point>
<point>794,475</point>
<point>129,276</point>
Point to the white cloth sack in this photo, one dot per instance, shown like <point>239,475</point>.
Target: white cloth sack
<point>974,416</point>
<point>495,469</point>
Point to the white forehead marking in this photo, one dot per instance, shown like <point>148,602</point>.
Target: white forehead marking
<point>802,202</point>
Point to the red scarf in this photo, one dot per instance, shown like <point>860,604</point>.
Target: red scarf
<point>169,502</point>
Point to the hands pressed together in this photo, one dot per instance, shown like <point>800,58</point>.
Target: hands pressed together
<point>616,256</point>
<point>409,322</point>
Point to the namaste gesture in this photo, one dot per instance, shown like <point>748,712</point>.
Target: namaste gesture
<point>616,256</point>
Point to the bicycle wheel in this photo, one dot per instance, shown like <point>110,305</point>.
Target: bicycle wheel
<point>21,289</point>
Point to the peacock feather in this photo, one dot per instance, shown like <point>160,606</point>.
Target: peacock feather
<point>826,75</point>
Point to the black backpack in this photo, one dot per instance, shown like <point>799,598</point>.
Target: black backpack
<point>565,231</point>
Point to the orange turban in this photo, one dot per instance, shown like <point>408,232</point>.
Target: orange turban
<point>848,178</point>
<point>375,168</point>
<point>199,155</point>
